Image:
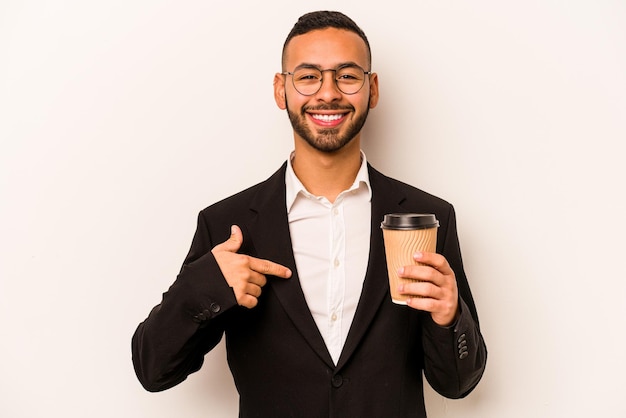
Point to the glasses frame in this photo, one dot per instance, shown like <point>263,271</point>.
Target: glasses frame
<point>322,71</point>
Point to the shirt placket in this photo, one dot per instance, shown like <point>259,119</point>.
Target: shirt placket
<point>336,282</point>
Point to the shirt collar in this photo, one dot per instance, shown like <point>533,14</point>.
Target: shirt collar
<point>294,186</point>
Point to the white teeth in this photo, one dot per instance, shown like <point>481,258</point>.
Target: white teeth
<point>327,118</point>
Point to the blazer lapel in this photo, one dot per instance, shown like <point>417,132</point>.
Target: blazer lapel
<point>269,230</point>
<point>385,199</point>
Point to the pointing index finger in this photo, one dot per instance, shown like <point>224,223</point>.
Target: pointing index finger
<point>267,267</point>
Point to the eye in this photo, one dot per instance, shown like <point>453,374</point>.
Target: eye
<point>349,74</point>
<point>307,75</point>
<point>346,76</point>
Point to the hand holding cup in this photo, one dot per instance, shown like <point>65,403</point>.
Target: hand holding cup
<point>418,277</point>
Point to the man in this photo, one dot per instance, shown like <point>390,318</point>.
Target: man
<point>293,270</point>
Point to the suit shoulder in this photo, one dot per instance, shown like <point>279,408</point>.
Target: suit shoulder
<point>411,193</point>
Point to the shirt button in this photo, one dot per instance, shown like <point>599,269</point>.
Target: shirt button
<point>336,262</point>
<point>336,211</point>
<point>333,317</point>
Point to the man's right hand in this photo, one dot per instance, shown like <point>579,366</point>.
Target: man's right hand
<point>246,275</point>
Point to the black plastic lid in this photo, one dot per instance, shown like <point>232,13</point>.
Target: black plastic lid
<point>408,221</point>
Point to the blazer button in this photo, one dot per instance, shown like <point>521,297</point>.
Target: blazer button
<point>215,308</point>
<point>463,355</point>
<point>337,381</point>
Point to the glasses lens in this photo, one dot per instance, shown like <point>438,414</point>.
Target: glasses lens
<point>350,79</point>
<point>307,80</point>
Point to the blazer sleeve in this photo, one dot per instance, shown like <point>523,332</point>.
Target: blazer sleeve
<point>171,342</point>
<point>454,357</point>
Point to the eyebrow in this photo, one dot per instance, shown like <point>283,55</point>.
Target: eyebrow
<point>341,65</point>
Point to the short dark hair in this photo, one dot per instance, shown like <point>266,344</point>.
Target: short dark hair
<point>325,19</point>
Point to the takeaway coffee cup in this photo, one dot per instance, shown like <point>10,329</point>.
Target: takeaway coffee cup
<point>404,234</point>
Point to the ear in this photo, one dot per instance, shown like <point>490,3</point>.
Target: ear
<point>279,91</point>
<point>373,90</point>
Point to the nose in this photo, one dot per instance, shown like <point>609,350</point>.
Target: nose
<point>329,91</point>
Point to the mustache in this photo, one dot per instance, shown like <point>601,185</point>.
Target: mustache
<point>327,107</point>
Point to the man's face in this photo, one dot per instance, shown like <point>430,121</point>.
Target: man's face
<point>328,119</point>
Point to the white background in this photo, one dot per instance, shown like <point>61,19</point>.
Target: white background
<point>120,120</point>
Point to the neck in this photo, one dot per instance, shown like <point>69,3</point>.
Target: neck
<point>327,174</point>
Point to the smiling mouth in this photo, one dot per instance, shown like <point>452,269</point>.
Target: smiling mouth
<point>327,118</point>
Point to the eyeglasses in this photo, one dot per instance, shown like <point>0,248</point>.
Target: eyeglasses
<point>307,80</point>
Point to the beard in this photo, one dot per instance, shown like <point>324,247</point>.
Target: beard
<point>326,139</point>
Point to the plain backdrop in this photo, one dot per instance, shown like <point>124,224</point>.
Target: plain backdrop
<point>120,120</point>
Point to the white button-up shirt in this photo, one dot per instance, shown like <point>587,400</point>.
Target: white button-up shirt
<point>331,247</point>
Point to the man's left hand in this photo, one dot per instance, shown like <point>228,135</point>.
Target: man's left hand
<point>436,291</point>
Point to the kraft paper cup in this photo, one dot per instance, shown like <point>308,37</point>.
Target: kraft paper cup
<point>405,234</point>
